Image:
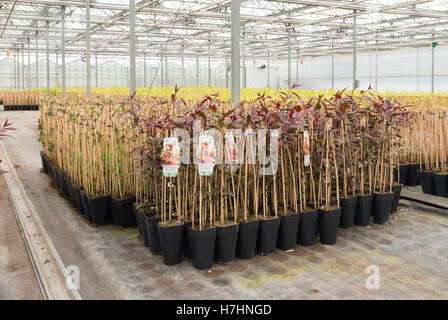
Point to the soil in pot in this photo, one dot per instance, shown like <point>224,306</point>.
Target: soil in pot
<point>202,247</point>
<point>441,184</point>
<point>100,207</point>
<point>348,211</point>
<point>171,236</point>
<point>268,235</point>
<point>396,189</point>
<point>411,177</point>
<point>152,232</point>
<point>329,224</point>
<point>307,227</point>
<point>381,207</point>
<point>226,241</point>
<point>363,209</point>
<point>427,182</point>
<point>247,238</point>
<point>121,212</point>
<point>287,233</point>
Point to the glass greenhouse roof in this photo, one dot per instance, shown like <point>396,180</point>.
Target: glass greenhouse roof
<point>315,27</point>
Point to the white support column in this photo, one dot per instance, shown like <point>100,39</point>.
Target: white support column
<point>197,72</point>
<point>243,51</point>
<point>14,86</point>
<point>57,70</point>
<point>269,70</point>
<point>63,49</point>
<point>433,47</point>
<point>209,63</point>
<point>355,61</point>
<point>96,70</point>
<point>161,69</point>
<point>132,80</point>
<point>37,61</point>
<point>144,69</point>
<point>166,72</point>
<point>376,69</point>
<point>183,67</point>
<point>23,67</point>
<point>29,66</point>
<point>88,48</point>
<point>332,66</point>
<point>227,73</point>
<point>297,67</point>
<point>418,71</point>
<point>289,58</point>
<point>47,25</point>
<point>235,47</point>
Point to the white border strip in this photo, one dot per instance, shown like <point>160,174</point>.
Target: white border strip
<point>54,252</point>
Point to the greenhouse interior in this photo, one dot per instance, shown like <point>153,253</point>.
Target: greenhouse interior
<point>221,150</point>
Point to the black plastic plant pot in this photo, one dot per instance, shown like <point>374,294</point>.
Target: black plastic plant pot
<point>71,192</point>
<point>99,207</point>
<point>267,236</point>
<point>77,197</point>
<point>54,173</point>
<point>247,239</point>
<point>137,218</point>
<point>121,212</point>
<point>85,205</point>
<point>329,225</point>
<point>403,173</point>
<point>66,186</point>
<point>58,177</point>
<point>43,159</point>
<point>396,189</point>
<point>171,242</point>
<point>427,182</point>
<point>287,233</point>
<point>441,184</point>
<point>348,211</point>
<point>142,217</point>
<point>186,245</point>
<point>307,228</point>
<point>202,247</point>
<point>382,204</point>
<point>364,209</point>
<point>152,233</point>
<point>411,177</point>
<point>226,241</point>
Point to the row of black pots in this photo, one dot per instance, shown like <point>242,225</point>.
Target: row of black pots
<point>100,210</point>
<point>408,174</point>
<point>224,243</point>
<point>353,211</point>
<point>18,108</point>
<point>434,183</point>
<point>242,240</point>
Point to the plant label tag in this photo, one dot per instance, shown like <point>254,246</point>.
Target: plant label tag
<point>170,157</point>
<point>231,151</point>
<point>207,155</point>
<point>306,148</point>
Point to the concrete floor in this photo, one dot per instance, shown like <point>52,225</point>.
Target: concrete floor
<point>411,252</point>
